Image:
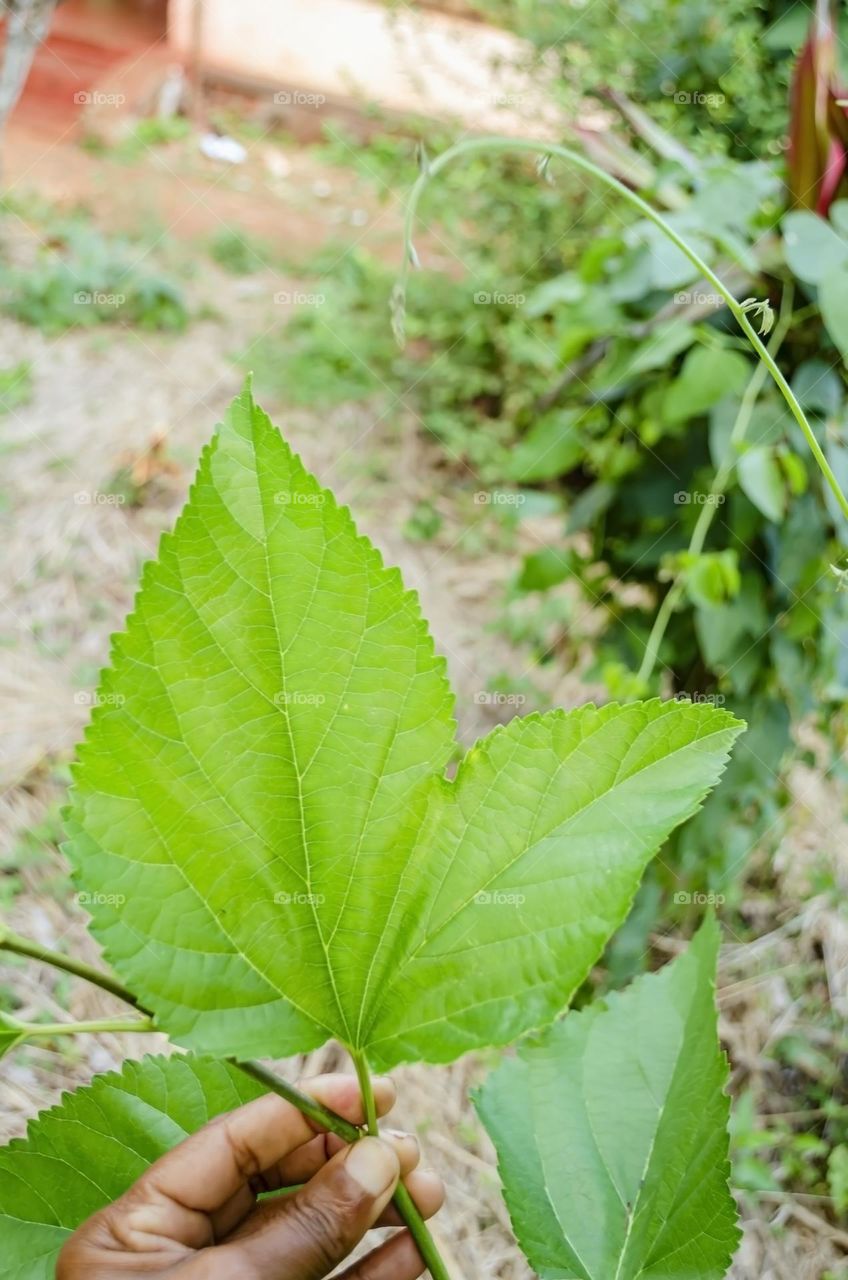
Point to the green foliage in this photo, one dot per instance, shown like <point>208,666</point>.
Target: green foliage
<point>15,386</point>
<point>83,279</point>
<point>269,633</point>
<point>88,1150</point>
<point>617,1115</point>
<point>238,252</point>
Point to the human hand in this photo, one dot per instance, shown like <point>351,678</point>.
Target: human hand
<point>193,1215</point>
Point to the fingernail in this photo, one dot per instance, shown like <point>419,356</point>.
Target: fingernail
<point>372,1164</point>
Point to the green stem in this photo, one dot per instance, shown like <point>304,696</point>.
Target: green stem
<point>675,593</point>
<point>366,1088</point>
<point>403,1201</point>
<point>494,144</point>
<point>313,1110</point>
<point>10,941</point>
<point>33,1030</point>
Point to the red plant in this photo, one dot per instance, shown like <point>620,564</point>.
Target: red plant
<point>818,131</point>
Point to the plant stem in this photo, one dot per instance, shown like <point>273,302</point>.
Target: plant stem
<point>32,1030</point>
<point>10,941</point>
<point>403,1201</point>
<point>474,146</point>
<point>313,1110</point>
<point>707,513</point>
<point>366,1088</point>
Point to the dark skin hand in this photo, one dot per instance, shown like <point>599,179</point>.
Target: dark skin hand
<point>193,1215</point>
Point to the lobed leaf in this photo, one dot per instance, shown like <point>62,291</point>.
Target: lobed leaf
<point>260,812</point>
<point>85,1152</point>
<point>611,1133</point>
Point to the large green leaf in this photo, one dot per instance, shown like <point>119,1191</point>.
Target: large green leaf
<point>85,1152</point>
<point>611,1132</point>
<point>260,812</point>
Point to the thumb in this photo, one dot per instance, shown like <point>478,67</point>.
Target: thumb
<point>308,1234</point>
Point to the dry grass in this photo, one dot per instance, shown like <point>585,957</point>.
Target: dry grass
<point>67,580</point>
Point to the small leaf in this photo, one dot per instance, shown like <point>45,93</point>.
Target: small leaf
<point>708,374</point>
<point>762,480</point>
<point>88,1150</point>
<point>551,448</point>
<point>611,1133</point>
<point>813,249</point>
<point>833,304</point>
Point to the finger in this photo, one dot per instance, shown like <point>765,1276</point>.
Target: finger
<point>428,1192</point>
<point>305,1162</point>
<point>300,1167</point>
<point>397,1259</point>
<point>311,1232</point>
<point>170,1201</point>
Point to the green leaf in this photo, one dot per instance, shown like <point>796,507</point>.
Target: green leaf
<point>611,1133</point>
<point>546,568</point>
<point>833,304</point>
<point>532,858</point>
<point>762,480</point>
<point>708,374</point>
<point>85,1152</point>
<point>813,249</point>
<point>551,448</point>
<point>260,812</point>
